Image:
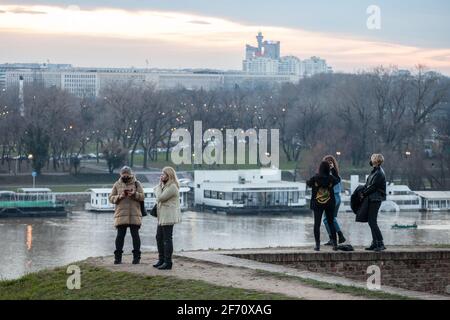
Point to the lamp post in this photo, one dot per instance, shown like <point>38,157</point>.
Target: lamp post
<point>33,173</point>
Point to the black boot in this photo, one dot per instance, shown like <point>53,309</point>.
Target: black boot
<point>136,257</point>
<point>159,263</point>
<point>168,249</point>
<point>160,245</point>
<point>165,266</point>
<point>317,247</point>
<point>329,243</point>
<point>380,246</point>
<point>334,244</point>
<point>118,256</point>
<point>372,246</point>
<point>341,238</point>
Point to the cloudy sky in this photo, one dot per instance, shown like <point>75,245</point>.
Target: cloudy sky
<point>213,33</point>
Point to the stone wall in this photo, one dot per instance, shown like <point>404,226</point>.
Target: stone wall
<point>419,270</point>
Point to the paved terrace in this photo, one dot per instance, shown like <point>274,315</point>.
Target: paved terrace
<point>276,266</point>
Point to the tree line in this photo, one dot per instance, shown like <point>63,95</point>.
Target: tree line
<point>404,115</point>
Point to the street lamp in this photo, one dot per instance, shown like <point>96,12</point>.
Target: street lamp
<point>33,173</point>
<point>338,153</point>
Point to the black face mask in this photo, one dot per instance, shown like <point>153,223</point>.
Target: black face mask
<point>126,179</point>
<point>371,163</point>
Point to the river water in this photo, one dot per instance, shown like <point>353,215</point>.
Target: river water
<point>27,245</point>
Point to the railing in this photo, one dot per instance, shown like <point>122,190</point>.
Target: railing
<point>27,204</point>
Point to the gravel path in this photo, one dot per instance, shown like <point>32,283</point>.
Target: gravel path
<point>223,275</point>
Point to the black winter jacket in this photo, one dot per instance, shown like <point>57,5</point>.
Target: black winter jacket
<point>375,188</point>
<point>322,181</point>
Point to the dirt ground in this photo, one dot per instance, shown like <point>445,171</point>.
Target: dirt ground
<point>223,275</point>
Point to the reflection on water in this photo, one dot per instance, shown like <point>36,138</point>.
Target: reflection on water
<point>28,245</point>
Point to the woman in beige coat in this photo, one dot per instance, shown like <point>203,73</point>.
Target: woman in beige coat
<point>169,213</point>
<point>126,194</point>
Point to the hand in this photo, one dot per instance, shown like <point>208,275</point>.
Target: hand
<point>131,193</point>
<point>122,195</point>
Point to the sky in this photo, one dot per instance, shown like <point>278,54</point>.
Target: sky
<point>213,33</point>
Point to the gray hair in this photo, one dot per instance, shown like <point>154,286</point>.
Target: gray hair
<point>126,169</point>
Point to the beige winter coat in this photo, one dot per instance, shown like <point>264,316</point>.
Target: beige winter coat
<point>128,209</point>
<point>168,200</point>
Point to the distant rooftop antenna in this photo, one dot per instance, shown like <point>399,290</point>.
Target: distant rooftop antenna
<point>21,100</point>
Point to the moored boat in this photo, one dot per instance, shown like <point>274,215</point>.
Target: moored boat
<point>30,202</point>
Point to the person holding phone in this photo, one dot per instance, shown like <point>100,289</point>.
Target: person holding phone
<point>126,194</point>
<point>168,214</point>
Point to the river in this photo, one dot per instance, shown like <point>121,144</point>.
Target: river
<point>28,245</point>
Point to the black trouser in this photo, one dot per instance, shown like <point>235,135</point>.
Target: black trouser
<point>122,231</point>
<point>164,242</point>
<point>329,213</point>
<point>373,215</point>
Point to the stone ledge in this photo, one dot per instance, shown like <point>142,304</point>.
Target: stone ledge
<point>230,258</point>
<point>291,257</point>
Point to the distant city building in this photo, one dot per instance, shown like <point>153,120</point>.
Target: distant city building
<point>265,59</point>
<point>315,65</point>
<point>266,49</point>
<point>261,65</point>
<point>89,82</point>
<point>290,65</point>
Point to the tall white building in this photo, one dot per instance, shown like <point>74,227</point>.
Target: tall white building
<point>315,65</point>
<point>261,65</point>
<point>265,59</point>
<point>290,65</point>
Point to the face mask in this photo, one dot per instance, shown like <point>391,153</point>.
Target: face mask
<point>371,163</point>
<point>126,179</point>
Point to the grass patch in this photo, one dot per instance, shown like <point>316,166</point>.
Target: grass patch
<point>362,292</point>
<point>101,284</point>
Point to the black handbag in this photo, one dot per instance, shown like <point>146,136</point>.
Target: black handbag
<point>153,212</point>
<point>142,203</point>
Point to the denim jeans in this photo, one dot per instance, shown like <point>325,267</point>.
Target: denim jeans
<point>336,209</point>
<point>318,212</point>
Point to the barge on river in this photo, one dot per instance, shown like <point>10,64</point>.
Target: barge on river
<point>30,202</point>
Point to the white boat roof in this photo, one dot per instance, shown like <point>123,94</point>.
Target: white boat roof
<point>146,190</point>
<point>438,195</point>
<point>229,186</point>
<point>30,190</point>
<point>399,187</point>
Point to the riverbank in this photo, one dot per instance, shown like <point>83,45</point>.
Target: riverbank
<point>205,275</point>
<point>188,280</point>
<point>103,284</point>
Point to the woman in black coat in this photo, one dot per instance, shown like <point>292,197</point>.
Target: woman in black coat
<point>375,191</point>
<point>322,199</point>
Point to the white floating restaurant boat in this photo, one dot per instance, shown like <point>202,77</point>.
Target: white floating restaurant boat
<point>247,191</point>
<point>99,199</point>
